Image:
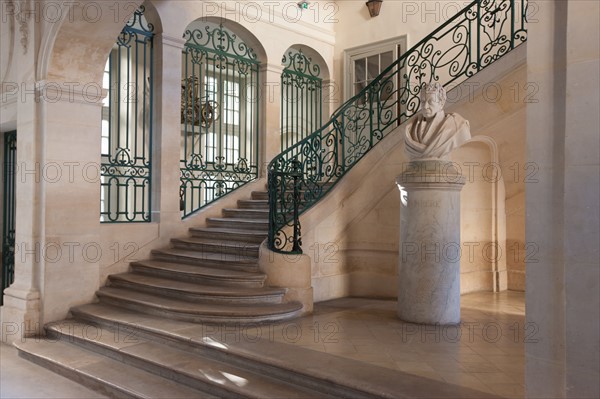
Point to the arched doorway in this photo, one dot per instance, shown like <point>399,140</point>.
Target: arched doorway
<point>219,114</point>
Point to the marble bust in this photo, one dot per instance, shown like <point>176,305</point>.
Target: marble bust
<point>431,133</point>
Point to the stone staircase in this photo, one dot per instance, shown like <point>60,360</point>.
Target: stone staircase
<point>210,277</point>
<point>123,353</point>
<point>189,323</point>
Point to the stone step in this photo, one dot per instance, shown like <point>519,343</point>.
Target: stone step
<point>195,292</point>
<point>198,312</point>
<point>241,347</point>
<point>257,214</point>
<point>260,195</point>
<point>102,374</point>
<point>253,204</point>
<point>249,236</point>
<point>217,246</point>
<point>272,354</point>
<point>242,224</point>
<point>180,366</point>
<point>207,259</point>
<point>199,274</point>
<point>309,190</point>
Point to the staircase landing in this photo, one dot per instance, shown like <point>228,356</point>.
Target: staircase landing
<point>123,353</point>
<point>197,321</point>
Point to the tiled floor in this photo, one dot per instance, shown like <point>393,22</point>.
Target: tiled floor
<point>486,353</point>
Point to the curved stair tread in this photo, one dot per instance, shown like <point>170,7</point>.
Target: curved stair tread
<point>175,285</point>
<point>239,220</point>
<point>216,243</point>
<point>257,201</point>
<point>258,212</point>
<point>206,256</point>
<point>223,230</point>
<point>201,270</point>
<point>208,309</point>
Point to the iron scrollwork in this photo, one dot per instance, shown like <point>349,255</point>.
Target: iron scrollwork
<point>301,175</point>
<point>301,99</point>
<point>126,158</point>
<point>194,110</point>
<point>218,116</point>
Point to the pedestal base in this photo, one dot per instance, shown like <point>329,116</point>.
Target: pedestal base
<point>20,315</point>
<point>292,272</point>
<point>429,269</point>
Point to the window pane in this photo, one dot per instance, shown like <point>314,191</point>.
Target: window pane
<point>373,66</point>
<point>360,70</point>
<point>357,88</point>
<point>386,59</point>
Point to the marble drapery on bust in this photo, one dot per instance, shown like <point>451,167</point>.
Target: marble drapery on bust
<point>432,133</point>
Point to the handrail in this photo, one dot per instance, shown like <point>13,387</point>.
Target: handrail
<point>300,176</point>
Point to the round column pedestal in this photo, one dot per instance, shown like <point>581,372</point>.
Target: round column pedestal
<point>429,264</point>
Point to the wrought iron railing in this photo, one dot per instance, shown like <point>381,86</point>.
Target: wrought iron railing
<point>126,170</point>
<point>471,40</point>
<point>8,212</point>
<point>219,116</point>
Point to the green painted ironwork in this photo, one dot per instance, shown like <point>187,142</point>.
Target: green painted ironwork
<point>300,176</point>
<point>301,98</point>
<point>9,203</point>
<point>219,116</point>
<point>126,169</point>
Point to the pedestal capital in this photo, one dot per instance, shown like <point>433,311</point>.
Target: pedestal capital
<point>431,174</point>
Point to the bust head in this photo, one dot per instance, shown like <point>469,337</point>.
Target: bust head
<point>433,99</point>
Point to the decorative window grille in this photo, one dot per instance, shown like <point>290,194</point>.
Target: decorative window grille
<point>219,116</point>
<point>301,98</point>
<point>125,181</point>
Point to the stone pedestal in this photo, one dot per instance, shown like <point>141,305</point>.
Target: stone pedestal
<point>292,272</point>
<point>429,264</point>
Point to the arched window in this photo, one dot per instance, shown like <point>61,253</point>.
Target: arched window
<point>219,115</point>
<point>127,125</point>
<point>301,97</point>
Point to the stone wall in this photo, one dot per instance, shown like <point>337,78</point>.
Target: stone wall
<point>53,58</point>
<point>352,236</point>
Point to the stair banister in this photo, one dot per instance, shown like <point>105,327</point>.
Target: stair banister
<point>300,176</point>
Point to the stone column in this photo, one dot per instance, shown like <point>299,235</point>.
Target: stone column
<point>167,132</point>
<point>429,269</point>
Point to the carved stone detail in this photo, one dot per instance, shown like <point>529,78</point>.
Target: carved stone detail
<point>22,17</point>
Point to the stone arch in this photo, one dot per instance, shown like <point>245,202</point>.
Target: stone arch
<point>241,31</point>
<point>221,109</point>
<point>483,216</point>
<point>316,58</point>
<point>304,80</point>
<point>79,42</point>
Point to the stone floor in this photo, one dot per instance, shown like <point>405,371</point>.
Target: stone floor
<point>486,353</point>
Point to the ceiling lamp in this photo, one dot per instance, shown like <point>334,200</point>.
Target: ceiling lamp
<point>374,6</point>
